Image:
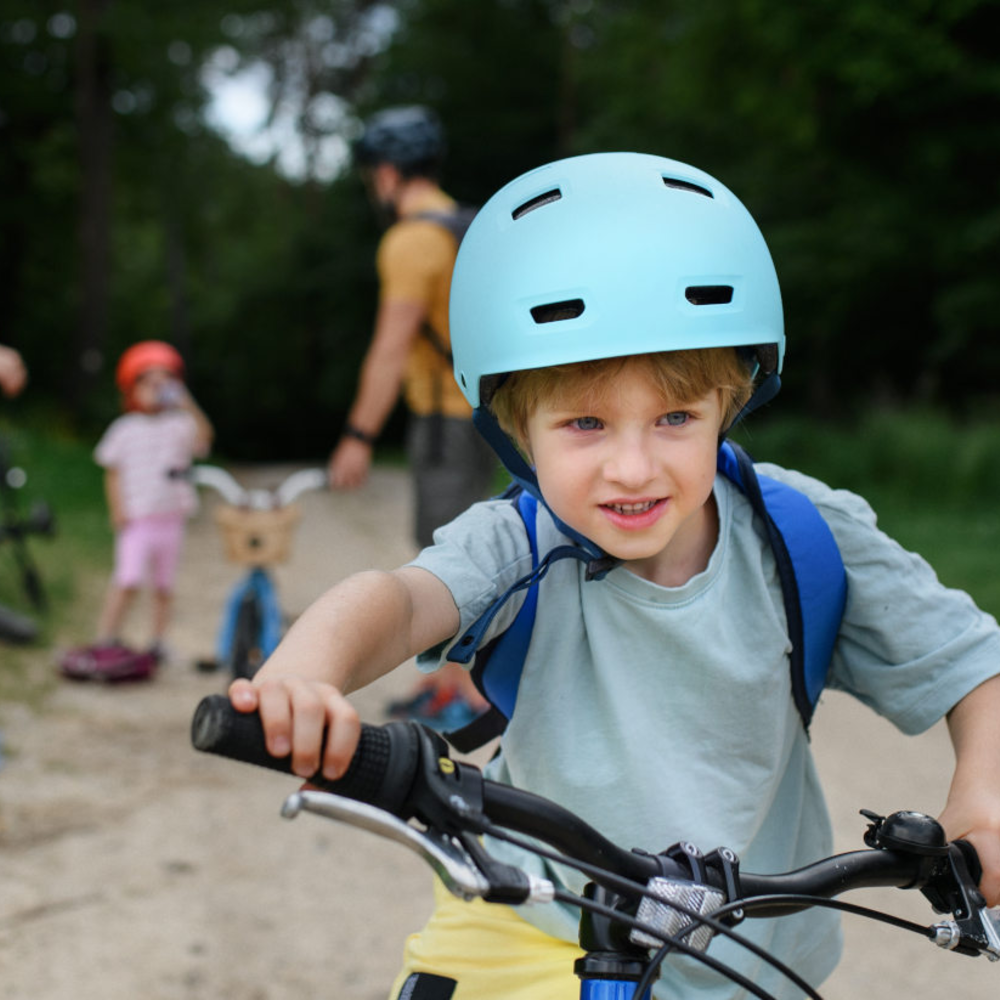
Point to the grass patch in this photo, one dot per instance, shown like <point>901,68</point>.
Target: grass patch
<point>73,563</point>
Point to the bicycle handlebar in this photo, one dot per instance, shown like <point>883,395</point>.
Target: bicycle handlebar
<point>404,770</point>
<point>233,492</point>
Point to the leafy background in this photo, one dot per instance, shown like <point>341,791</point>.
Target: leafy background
<point>862,134</point>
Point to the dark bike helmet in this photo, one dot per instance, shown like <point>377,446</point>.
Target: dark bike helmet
<point>410,138</point>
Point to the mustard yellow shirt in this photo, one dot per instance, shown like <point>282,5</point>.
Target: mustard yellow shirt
<point>415,259</point>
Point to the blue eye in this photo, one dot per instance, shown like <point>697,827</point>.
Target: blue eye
<point>676,419</point>
<point>587,423</point>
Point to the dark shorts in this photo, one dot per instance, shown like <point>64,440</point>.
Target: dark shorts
<point>453,468</point>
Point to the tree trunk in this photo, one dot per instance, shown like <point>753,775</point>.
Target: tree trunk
<point>95,124</point>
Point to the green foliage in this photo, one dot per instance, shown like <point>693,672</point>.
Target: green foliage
<point>933,481</point>
<point>73,563</point>
<point>863,135</point>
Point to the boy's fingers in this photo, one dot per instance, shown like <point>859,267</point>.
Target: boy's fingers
<point>988,848</point>
<point>274,705</point>
<point>297,715</point>
<point>308,725</point>
<point>343,733</point>
<point>243,695</point>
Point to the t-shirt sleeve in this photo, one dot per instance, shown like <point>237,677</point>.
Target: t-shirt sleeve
<point>110,448</point>
<point>909,647</point>
<point>411,259</point>
<point>478,556</point>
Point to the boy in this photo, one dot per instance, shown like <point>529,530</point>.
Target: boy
<point>612,316</point>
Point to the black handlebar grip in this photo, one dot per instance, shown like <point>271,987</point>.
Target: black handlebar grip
<point>381,772</point>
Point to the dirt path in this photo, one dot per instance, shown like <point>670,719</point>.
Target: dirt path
<point>132,867</point>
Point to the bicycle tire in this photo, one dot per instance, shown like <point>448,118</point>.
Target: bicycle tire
<point>246,656</point>
<point>15,627</point>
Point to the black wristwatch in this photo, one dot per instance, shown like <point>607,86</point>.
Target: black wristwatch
<point>351,431</point>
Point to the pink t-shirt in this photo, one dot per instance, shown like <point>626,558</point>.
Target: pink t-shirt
<point>143,448</point>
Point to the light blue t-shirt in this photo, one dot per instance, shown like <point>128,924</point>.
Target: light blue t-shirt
<point>661,714</point>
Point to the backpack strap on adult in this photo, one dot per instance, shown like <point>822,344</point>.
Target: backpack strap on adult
<point>456,222</point>
<point>810,569</point>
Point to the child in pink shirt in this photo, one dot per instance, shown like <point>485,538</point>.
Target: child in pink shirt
<point>163,429</point>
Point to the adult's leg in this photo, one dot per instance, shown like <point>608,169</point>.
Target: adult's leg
<point>452,469</point>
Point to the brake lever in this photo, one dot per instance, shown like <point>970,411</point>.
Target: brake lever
<point>975,928</point>
<point>446,856</point>
<point>461,863</point>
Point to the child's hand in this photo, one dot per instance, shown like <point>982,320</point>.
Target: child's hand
<point>297,714</point>
<point>982,830</point>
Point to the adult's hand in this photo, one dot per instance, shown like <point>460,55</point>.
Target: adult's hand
<point>349,464</point>
<point>13,373</point>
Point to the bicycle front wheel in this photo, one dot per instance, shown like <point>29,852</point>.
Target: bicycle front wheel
<point>247,654</point>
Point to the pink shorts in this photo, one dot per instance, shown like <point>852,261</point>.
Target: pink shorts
<point>149,542</point>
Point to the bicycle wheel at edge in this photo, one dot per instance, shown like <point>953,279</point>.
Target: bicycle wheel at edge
<point>15,627</point>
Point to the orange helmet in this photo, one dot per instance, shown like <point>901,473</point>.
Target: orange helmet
<point>141,357</point>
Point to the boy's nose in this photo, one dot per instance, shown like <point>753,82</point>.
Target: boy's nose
<point>629,462</point>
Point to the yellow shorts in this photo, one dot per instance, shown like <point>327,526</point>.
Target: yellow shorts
<point>488,952</point>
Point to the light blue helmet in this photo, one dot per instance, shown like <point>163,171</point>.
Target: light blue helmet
<point>605,255</point>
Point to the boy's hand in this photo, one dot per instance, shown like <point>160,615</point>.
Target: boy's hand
<point>972,810</point>
<point>297,715</point>
<point>982,830</point>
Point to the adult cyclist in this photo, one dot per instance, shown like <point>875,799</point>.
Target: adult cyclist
<point>399,154</point>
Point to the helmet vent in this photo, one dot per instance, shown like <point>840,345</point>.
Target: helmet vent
<point>552,312</point>
<point>709,295</point>
<point>679,185</point>
<point>537,202</point>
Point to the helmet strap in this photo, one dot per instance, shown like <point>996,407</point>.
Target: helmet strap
<point>762,395</point>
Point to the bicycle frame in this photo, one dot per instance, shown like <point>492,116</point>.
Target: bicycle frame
<point>253,604</point>
<point>14,531</point>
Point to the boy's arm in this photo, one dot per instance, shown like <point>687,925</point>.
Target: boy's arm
<point>972,811</point>
<point>359,630</point>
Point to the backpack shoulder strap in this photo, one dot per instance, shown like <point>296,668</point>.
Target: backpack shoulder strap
<point>810,568</point>
<point>456,222</point>
<point>497,671</point>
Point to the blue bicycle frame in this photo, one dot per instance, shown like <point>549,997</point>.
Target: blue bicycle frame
<point>258,584</point>
<point>609,989</point>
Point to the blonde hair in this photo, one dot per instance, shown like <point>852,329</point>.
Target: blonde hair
<point>681,376</point>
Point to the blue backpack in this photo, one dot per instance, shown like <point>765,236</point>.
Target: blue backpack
<point>810,568</point>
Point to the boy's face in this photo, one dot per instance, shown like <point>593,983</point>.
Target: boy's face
<point>633,472</point>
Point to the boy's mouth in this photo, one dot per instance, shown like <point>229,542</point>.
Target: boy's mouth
<point>631,509</point>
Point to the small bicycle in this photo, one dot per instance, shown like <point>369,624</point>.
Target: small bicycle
<point>257,526</point>
<point>15,528</point>
<point>640,909</point>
